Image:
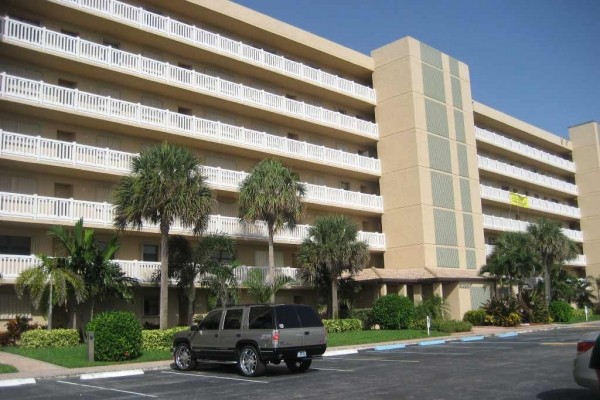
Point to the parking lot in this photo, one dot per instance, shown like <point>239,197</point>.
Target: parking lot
<point>528,366</point>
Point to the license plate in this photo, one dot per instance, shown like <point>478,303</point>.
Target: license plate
<point>301,354</point>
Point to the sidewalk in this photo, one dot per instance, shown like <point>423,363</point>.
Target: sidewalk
<point>30,368</point>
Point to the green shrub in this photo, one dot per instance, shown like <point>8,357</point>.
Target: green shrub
<point>342,325</point>
<point>502,311</point>
<point>118,336</point>
<point>36,338</point>
<point>364,314</point>
<point>433,306</point>
<point>560,311</point>
<point>155,339</point>
<point>14,330</point>
<point>475,317</point>
<point>450,325</point>
<point>578,314</point>
<point>393,312</point>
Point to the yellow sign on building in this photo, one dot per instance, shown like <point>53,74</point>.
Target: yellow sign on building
<point>519,200</point>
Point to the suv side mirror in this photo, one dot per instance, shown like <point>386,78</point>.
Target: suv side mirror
<point>195,327</point>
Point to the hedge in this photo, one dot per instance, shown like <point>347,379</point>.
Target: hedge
<point>342,325</point>
<point>560,311</point>
<point>393,312</point>
<point>118,336</point>
<point>443,325</point>
<point>36,338</point>
<point>156,339</point>
<point>475,317</point>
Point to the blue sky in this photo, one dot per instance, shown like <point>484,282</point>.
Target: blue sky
<point>537,60</point>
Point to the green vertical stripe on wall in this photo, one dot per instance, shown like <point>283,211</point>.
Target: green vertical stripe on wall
<point>445,227</point>
<point>471,259</point>
<point>456,92</point>
<point>469,231</point>
<point>436,118</point>
<point>459,126</point>
<point>479,295</point>
<point>465,195</point>
<point>463,161</point>
<point>439,153</point>
<point>454,67</point>
<point>442,190</point>
<point>447,257</point>
<point>431,55</point>
<point>433,83</point>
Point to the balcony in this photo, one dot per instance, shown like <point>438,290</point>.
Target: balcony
<point>194,36</point>
<point>504,196</point>
<point>82,156</point>
<point>512,225</point>
<point>522,174</point>
<point>82,50</point>
<point>523,149</point>
<point>579,261</point>
<point>95,214</point>
<point>12,265</point>
<point>102,107</point>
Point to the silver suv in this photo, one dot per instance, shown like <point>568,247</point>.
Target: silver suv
<point>252,336</point>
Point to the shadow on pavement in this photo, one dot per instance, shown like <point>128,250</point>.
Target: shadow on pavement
<point>567,394</point>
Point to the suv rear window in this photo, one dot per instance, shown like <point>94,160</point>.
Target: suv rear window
<point>308,317</point>
<point>233,319</point>
<point>260,318</point>
<point>287,317</point>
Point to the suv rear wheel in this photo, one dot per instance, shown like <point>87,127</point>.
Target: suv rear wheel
<point>249,362</point>
<point>184,358</point>
<point>298,365</point>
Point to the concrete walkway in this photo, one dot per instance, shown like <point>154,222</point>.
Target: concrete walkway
<point>30,368</point>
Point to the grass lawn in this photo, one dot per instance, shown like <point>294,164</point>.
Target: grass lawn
<point>375,336</point>
<point>592,317</point>
<point>7,369</point>
<point>76,357</point>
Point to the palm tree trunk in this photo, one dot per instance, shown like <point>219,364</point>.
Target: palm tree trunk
<point>50,307</point>
<point>271,277</point>
<point>92,303</point>
<point>334,298</point>
<point>190,318</point>
<point>164,275</point>
<point>547,285</point>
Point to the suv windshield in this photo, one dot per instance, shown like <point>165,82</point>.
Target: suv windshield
<point>211,321</point>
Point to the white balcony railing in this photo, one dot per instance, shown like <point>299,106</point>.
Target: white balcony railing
<point>78,155</point>
<point>525,175</point>
<point>79,49</point>
<point>513,225</point>
<point>504,196</point>
<point>42,208</point>
<point>12,265</point>
<point>523,149</point>
<point>73,100</point>
<point>192,35</point>
<point>579,261</point>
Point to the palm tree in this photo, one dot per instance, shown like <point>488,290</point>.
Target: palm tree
<point>552,247</point>
<point>222,283</point>
<point>512,259</point>
<point>49,284</point>
<point>189,265</point>
<point>165,185</point>
<point>271,193</point>
<point>102,276</point>
<point>261,289</point>
<point>330,251</point>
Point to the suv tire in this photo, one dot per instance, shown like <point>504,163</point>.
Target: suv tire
<point>184,358</point>
<point>249,362</point>
<point>298,365</point>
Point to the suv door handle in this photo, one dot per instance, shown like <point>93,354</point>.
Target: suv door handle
<point>238,335</point>
<point>216,335</point>
<point>307,333</point>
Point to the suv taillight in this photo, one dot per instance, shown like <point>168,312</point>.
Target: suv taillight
<point>275,338</point>
<point>582,347</point>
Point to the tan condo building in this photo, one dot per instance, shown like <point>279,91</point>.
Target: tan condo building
<point>393,140</point>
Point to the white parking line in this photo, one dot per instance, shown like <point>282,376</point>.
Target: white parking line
<point>103,388</point>
<point>371,359</point>
<point>213,377</point>
<point>333,369</point>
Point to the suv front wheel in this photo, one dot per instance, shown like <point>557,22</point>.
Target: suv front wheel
<point>184,358</point>
<point>298,365</point>
<point>249,362</point>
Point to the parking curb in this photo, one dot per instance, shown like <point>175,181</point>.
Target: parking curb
<point>111,374</point>
<point>17,382</point>
<point>507,334</point>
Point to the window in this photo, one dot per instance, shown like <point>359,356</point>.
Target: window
<point>211,321</point>
<point>184,66</point>
<point>69,32</point>
<point>65,136</point>
<point>293,136</point>
<point>151,304</point>
<point>184,111</point>
<point>364,153</point>
<point>233,319</point>
<point>67,84</point>
<point>291,96</point>
<point>308,317</point>
<point>150,252</point>
<point>287,317</point>
<point>223,257</point>
<point>112,43</point>
<point>15,245</point>
<point>298,299</point>
<point>345,185</point>
<point>342,111</point>
<point>505,187</point>
<point>260,318</point>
